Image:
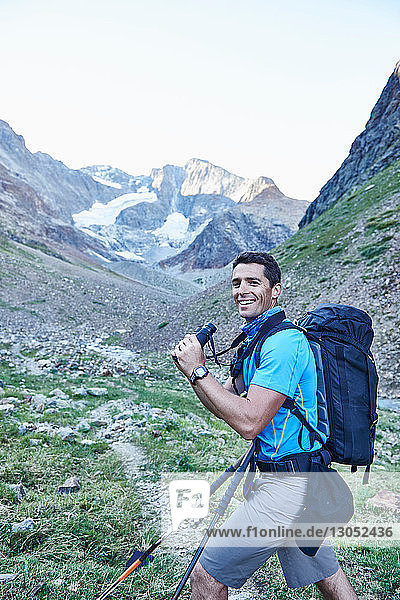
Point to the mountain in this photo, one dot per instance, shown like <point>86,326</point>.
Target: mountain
<point>27,218</point>
<point>262,218</point>
<point>179,210</point>
<point>63,191</point>
<point>204,178</point>
<point>224,237</point>
<point>376,147</point>
<point>175,218</point>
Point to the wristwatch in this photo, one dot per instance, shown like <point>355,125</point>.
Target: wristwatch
<point>198,373</point>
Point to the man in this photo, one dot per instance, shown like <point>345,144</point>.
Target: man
<point>252,406</point>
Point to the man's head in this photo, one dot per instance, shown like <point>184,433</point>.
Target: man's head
<point>255,283</point>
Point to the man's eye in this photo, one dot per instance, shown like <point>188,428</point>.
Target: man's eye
<point>254,283</point>
<point>235,284</point>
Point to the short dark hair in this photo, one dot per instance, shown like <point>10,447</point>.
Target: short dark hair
<point>271,268</point>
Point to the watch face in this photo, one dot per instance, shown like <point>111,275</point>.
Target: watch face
<point>200,371</point>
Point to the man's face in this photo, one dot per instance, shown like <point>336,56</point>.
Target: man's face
<point>252,291</point>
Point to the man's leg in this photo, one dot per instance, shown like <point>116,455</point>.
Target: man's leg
<point>337,587</point>
<point>205,587</point>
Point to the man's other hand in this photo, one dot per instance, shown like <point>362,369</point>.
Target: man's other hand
<point>189,354</point>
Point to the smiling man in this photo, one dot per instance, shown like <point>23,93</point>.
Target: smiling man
<point>252,405</point>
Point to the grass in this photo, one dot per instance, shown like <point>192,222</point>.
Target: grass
<point>81,540</point>
<point>114,339</point>
<point>331,234</point>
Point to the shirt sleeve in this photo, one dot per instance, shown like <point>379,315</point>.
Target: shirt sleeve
<point>282,362</point>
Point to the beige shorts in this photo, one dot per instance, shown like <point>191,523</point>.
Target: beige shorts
<point>243,546</point>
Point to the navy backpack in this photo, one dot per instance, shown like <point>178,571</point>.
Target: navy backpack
<point>340,337</point>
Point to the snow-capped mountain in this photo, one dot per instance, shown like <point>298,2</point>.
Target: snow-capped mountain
<point>116,178</point>
<point>170,210</point>
<point>165,216</point>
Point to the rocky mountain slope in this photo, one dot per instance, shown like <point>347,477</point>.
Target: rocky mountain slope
<point>61,303</point>
<point>225,236</point>
<point>63,191</point>
<point>27,217</point>
<point>375,148</point>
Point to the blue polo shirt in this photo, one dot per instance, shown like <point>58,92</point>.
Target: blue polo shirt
<point>287,365</point>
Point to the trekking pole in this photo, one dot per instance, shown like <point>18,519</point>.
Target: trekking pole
<point>226,474</point>
<point>213,488</point>
<point>133,566</point>
<point>220,511</point>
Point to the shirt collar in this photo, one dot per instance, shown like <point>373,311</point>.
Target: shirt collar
<point>253,326</point>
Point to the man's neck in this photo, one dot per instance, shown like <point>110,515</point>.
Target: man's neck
<point>251,327</point>
<point>261,314</point>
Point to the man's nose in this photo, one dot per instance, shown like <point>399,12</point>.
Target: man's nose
<point>242,287</point>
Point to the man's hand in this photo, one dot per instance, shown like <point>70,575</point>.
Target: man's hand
<point>189,354</point>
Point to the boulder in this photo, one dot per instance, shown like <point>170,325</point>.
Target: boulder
<point>70,485</point>
<point>22,526</point>
<point>385,499</point>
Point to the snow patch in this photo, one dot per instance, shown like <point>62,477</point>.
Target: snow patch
<point>106,214</point>
<point>99,256</point>
<point>92,233</point>
<point>174,228</point>
<point>130,255</point>
<point>106,182</point>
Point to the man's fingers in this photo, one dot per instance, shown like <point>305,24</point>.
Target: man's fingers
<point>189,341</point>
<point>191,338</point>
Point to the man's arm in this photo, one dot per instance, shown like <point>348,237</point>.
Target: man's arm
<point>248,416</point>
<point>239,383</point>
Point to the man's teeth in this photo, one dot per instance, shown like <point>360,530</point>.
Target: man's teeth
<point>246,301</point>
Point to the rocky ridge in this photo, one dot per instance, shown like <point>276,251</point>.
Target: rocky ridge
<point>64,191</point>
<point>26,217</point>
<point>375,148</point>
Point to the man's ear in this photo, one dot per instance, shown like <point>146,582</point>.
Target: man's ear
<point>276,290</point>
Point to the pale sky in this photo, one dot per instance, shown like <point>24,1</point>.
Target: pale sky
<point>260,87</point>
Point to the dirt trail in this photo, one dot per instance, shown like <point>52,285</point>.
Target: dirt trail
<point>134,458</point>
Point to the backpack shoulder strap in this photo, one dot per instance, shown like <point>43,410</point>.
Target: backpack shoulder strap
<point>245,351</point>
<point>289,402</point>
<point>279,327</point>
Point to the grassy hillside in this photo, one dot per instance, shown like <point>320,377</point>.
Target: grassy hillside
<point>78,543</point>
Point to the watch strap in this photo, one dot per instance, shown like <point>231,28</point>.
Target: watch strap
<point>194,376</point>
